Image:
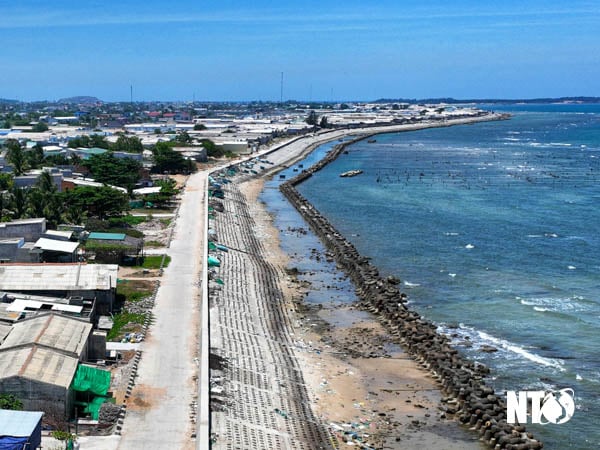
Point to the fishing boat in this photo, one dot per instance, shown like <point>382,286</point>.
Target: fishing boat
<point>351,173</point>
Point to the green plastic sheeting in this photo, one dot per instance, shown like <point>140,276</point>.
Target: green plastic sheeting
<point>93,407</point>
<point>211,245</point>
<point>90,379</point>
<point>213,262</point>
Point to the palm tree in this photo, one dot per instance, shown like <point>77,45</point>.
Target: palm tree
<point>18,201</point>
<point>16,157</point>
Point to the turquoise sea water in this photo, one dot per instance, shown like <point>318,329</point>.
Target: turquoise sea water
<point>494,230</point>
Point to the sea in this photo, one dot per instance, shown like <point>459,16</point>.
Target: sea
<point>494,230</point>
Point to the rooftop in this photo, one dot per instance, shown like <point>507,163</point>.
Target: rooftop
<point>39,364</point>
<point>54,245</point>
<point>49,331</point>
<point>57,277</point>
<point>107,236</point>
<point>18,423</point>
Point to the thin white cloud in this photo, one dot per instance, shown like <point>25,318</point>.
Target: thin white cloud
<point>364,19</point>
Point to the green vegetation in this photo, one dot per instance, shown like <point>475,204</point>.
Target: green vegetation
<point>109,169</point>
<point>128,144</point>
<point>125,221</point>
<point>121,320</point>
<point>312,119</point>
<point>99,202</point>
<point>197,127</point>
<point>154,261</point>
<point>63,435</point>
<point>166,221</point>
<point>9,401</point>
<point>153,244</point>
<point>212,149</point>
<point>168,160</point>
<point>40,127</point>
<point>94,140</point>
<point>133,290</point>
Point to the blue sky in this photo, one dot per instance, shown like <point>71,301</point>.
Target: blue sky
<point>327,50</point>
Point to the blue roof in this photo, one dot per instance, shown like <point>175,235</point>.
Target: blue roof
<point>19,423</point>
<point>107,236</point>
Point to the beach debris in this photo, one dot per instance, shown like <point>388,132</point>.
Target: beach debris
<point>282,413</point>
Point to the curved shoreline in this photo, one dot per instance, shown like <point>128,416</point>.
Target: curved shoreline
<point>472,402</point>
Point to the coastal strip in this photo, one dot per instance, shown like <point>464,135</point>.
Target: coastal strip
<point>469,399</point>
<point>253,358</point>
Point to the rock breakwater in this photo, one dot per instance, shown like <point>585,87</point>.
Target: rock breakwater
<point>468,398</point>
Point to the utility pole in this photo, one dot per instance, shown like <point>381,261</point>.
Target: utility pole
<point>281,90</point>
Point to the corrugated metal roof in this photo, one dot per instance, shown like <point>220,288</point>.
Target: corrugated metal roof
<point>57,277</point>
<point>56,246</point>
<point>38,364</point>
<point>53,331</point>
<point>19,423</point>
<point>107,236</point>
<point>59,233</point>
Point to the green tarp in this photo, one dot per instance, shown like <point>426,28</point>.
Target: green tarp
<point>93,407</point>
<point>211,245</point>
<point>90,379</point>
<point>213,262</point>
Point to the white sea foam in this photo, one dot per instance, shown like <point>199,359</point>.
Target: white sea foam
<point>452,275</point>
<point>571,267</point>
<point>451,233</point>
<point>411,285</point>
<point>561,144</point>
<point>481,337</point>
<point>556,304</point>
<point>469,246</point>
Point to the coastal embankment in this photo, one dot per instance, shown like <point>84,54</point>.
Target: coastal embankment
<point>468,398</point>
<point>268,377</point>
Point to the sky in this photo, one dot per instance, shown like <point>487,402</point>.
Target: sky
<point>327,50</point>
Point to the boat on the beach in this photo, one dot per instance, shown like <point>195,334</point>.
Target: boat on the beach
<point>351,173</point>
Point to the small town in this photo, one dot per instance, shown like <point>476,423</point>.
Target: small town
<point>90,195</point>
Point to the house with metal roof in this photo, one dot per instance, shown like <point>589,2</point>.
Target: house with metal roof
<point>38,361</point>
<point>97,281</point>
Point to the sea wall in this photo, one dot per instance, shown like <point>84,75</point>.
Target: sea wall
<point>469,399</point>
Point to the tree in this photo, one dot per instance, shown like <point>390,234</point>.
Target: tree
<point>34,158</point>
<point>212,149</point>
<point>18,201</point>
<point>9,401</point>
<point>127,144</point>
<point>6,181</point>
<point>168,160</point>
<point>183,138</point>
<point>100,202</point>
<point>109,169</point>
<point>312,119</point>
<point>15,156</point>
<point>197,127</point>
<point>93,140</point>
<point>324,123</point>
<point>39,127</point>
